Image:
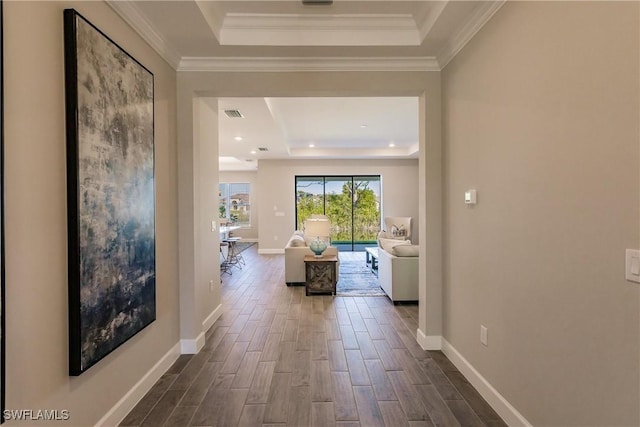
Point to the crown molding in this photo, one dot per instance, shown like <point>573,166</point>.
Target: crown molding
<point>128,11</point>
<point>253,29</point>
<point>255,64</point>
<point>430,19</point>
<point>482,15</point>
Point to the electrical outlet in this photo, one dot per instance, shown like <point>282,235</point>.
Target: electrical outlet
<point>275,237</point>
<point>484,332</point>
<point>213,226</point>
<point>210,285</point>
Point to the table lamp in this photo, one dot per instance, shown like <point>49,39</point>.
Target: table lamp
<point>317,228</point>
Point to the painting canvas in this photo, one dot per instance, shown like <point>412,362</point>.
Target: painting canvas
<point>111,195</point>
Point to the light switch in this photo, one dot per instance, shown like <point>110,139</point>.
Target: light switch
<point>632,262</point>
<point>470,197</point>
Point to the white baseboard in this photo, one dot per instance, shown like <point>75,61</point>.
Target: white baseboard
<point>120,410</point>
<point>507,412</point>
<point>211,319</point>
<point>192,346</point>
<point>271,251</point>
<point>429,342</point>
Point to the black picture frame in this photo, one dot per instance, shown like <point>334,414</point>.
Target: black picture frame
<point>2,269</point>
<point>110,193</point>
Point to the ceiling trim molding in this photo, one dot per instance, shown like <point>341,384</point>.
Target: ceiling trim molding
<point>265,64</point>
<point>130,13</point>
<point>483,14</point>
<point>429,20</point>
<point>254,29</point>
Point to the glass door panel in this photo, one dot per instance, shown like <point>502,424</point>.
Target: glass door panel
<point>339,209</point>
<point>309,198</point>
<point>366,211</point>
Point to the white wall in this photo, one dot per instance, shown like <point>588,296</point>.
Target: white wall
<point>541,113</point>
<point>36,219</point>
<point>276,191</point>
<point>247,233</point>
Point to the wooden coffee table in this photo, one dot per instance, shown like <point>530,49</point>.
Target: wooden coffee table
<point>321,277</point>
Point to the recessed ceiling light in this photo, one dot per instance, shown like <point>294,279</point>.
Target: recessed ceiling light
<point>312,145</point>
<point>253,151</point>
<point>391,144</point>
<point>363,126</point>
<point>237,138</point>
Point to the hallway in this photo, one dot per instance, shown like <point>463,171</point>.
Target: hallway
<point>277,357</point>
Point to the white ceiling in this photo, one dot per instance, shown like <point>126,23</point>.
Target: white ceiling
<point>265,35</point>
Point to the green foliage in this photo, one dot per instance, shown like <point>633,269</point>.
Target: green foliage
<point>356,197</point>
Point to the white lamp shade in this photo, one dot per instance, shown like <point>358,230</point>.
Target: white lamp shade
<point>317,227</point>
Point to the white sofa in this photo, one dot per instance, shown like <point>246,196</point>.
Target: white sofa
<point>294,253</point>
<point>398,262</point>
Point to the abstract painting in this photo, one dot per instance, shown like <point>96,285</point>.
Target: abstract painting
<point>110,193</point>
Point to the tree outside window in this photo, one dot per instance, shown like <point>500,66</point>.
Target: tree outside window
<point>234,203</point>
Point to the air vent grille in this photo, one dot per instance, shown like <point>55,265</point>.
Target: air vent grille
<point>317,2</point>
<point>263,149</point>
<point>234,114</point>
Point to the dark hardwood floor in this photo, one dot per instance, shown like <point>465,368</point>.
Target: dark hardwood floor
<point>279,358</point>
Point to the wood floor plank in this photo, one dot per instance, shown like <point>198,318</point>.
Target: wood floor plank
<point>277,407</point>
<point>303,341</point>
<point>234,358</point>
<point>438,411</point>
<point>357,323</point>
<point>180,417</point>
<point>238,324</point>
<point>407,396</point>
<point>246,370</point>
<point>259,338</point>
<point>319,350</point>
<point>357,370</point>
<point>299,407</point>
<point>365,343</point>
<point>160,413</point>
<point>464,414</point>
<point>271,349</point>
<point>248,330</point>
<point>392,336</point>
<point>301,369</point>
<point>322,414</point>
<point>368,411</point>
<point>213,402</point>
<point>392,414</point>
<point>190,372</point>
<point>290,332</point>
<point>410,366</point>
<point>345,404</point>
<point>222,350</point>
<point>333,329</point>
<point>387,356</point>
<point>261,384</point>
<point>349,341</point>
<point>337,359</point>
<point>321,384</point>
<point>439,380</point>
<point>343,316</point>
<point>380,382</point>
<point>198,389</point>
<point>278,324</point>
<point>374,329</point>
<point>251,416</point>
<point>286,356</point>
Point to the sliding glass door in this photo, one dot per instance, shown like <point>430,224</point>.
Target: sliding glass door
<point>352,203</point>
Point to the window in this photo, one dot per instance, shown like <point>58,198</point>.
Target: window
<point>234,203</point>
<point>352,203</point>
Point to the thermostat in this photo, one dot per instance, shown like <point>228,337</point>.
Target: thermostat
<point>470,197</point>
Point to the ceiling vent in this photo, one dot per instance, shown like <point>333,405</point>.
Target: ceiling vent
<point>317,2</point>
<point>263,149</point>
<point>234,114</point>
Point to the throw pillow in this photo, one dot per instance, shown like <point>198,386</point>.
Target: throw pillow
<point>389,244</point>
<point>297,241</point>
<point>406,250</point>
